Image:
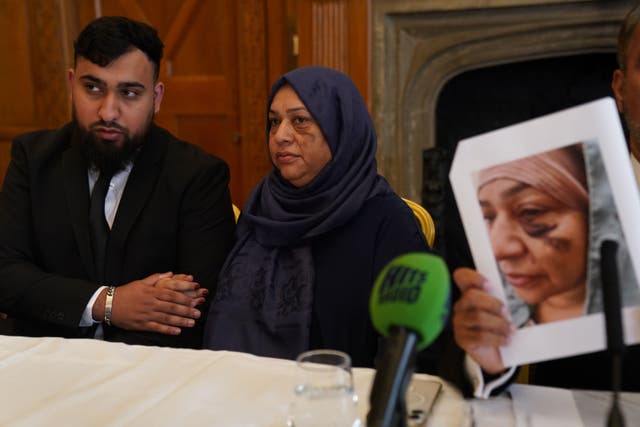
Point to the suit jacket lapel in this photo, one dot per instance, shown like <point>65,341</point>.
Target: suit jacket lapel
<point>138,189</point>
<point>76,185</point>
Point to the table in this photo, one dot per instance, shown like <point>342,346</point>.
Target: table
<point>60,382</point>
<point>536,406</point>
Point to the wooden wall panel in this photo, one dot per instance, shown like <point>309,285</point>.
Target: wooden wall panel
<point>51,58</point>
<point>252,77</point>
<point>221,56</point>
<point>199,70</point>
<point>335,33</point>
<point>280,29</point>
<point>329,22</point>
<point>16,87</point>
<point>33,62</point>
<point>16,94</point>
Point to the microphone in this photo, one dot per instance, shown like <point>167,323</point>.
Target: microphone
<point>409,306</point>
<point>613,323</point>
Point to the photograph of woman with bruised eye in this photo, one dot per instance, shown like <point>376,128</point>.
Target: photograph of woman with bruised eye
<point>537,214</point>
<point>537,211</point>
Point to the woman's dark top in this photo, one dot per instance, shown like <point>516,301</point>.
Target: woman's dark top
<point>347,261</point>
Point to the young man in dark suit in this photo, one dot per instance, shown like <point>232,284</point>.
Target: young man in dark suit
<point>110,226</point>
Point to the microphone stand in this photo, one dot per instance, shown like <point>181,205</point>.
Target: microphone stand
<point>613,322</point>
<point>388,405</point>
<point>616,418</point>
<point>401,413</point>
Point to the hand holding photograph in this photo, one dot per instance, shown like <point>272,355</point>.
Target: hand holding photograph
<point>537,200</point>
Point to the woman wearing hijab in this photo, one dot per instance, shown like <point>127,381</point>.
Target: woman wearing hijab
<point>315,232</point>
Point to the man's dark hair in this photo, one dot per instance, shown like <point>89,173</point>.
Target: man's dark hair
<point>626,32</point>
<point>106,39</point>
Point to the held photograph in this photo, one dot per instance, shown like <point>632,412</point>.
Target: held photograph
<point>537,201</point>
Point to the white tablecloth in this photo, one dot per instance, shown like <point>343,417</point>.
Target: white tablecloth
<point>58,382</point>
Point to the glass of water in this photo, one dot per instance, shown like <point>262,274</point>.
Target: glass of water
<point>323,391</point>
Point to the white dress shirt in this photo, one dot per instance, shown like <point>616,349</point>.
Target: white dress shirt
<point>111,203</point>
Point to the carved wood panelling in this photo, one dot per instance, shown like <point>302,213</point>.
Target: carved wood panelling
<point>48,56</point>
<point>221,57</point>
<point>334,33</point>
<point>33,62</point>
<point>16,91</point>
<point>329,34</point>
<point>252,64</point>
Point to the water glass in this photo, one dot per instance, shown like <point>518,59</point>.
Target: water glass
<point>323,391</point>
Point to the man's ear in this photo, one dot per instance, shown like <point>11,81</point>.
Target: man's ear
<point>158,93</point>
<point>71,73</point>
<point>617,84</point>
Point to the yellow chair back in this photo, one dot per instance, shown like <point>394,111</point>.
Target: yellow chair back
<point>236,211</point>
<point>424,219</point>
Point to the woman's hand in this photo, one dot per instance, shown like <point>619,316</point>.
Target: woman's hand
<point>184,283</point>
<point>480,321</point>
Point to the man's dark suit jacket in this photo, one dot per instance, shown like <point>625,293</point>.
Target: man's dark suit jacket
<point>174,215</point>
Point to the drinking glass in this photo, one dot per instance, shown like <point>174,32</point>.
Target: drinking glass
<point>323,391</point>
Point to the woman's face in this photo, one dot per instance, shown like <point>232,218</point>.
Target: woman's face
<point>296,144</point>
<point>540,243</point>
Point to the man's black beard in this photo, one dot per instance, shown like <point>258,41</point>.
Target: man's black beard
<point>105,155</point>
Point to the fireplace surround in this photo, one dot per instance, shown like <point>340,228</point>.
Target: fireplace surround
<point>418,46</point>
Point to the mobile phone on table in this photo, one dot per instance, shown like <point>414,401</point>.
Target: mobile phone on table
<point>421,396</point>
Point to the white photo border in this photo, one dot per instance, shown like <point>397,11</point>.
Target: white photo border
<point>594,121</point>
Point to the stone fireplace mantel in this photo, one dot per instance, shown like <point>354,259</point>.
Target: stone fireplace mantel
<point>417,46</point>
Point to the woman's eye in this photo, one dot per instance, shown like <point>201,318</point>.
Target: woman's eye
<point>300,120</point>
<point>488,216</point>
<point>530,214</point>
<point>273,122</point>
<point>533,222</point>
<point>538,230</point>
